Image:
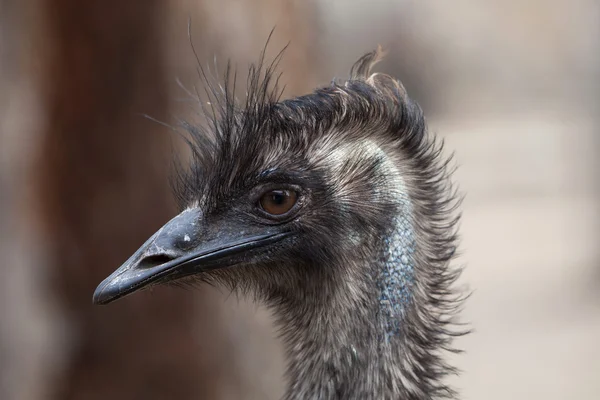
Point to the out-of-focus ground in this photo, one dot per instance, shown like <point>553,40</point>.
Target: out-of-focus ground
<point>512,86</point>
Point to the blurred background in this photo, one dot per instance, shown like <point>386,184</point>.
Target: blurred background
<point>513,86</point>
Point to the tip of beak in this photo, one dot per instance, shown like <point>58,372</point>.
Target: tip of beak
<point>113,288</point>
<point>105,293</point>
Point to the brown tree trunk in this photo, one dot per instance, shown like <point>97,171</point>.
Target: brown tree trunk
<point>104,190</point>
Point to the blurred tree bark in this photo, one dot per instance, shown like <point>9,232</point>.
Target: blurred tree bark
<point>17,343</point>
<point>103,191</point>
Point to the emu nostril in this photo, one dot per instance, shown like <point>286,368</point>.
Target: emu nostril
<point>154,260</point>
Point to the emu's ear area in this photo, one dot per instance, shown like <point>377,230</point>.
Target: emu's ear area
<point>188,245</point>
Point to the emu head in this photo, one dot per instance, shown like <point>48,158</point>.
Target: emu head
<point>336,209</point>
<point>283,196</point>
<point>319,200</point>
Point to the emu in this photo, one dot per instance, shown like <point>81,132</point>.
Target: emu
<point>335,209</point>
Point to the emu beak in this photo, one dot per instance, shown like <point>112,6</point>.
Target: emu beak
<point>185,246</point>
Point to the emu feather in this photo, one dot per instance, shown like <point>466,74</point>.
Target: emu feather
<point>358,270</point>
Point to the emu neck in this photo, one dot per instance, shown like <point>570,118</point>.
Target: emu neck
<point>349,344</point>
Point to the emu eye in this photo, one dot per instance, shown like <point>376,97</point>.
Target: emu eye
<point>278,202</point>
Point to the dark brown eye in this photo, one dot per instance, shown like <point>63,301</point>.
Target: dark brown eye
<point>278,202</point>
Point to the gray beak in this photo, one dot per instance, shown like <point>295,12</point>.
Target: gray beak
<point>184,246</point>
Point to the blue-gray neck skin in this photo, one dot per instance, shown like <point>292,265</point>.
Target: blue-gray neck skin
<point>352,344</point>
<point>394,275</point>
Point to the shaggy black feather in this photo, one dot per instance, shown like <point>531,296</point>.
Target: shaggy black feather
<point>321,289</point>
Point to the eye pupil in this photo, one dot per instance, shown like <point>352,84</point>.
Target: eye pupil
<point>278,198</point>
<point>278,202</point>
